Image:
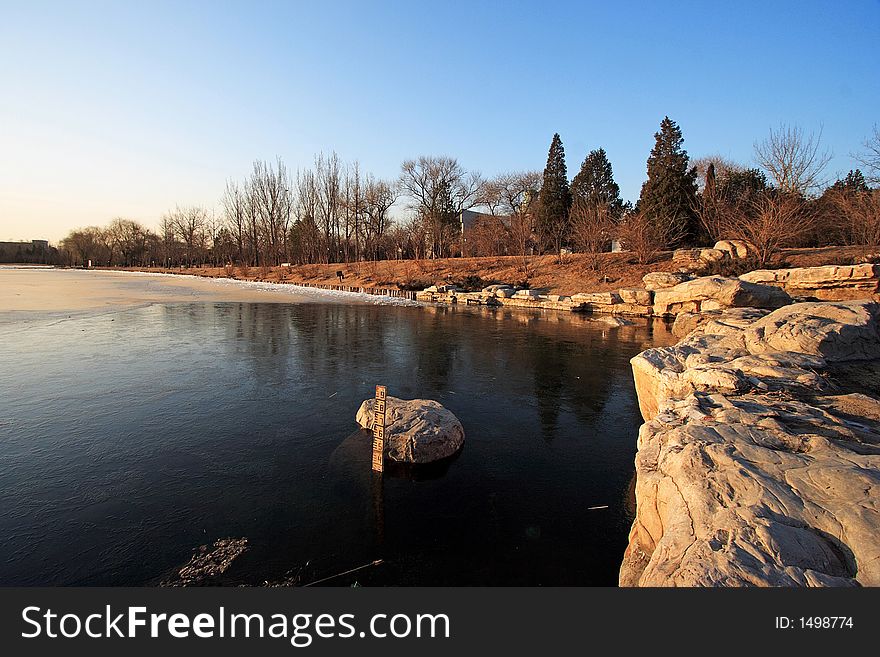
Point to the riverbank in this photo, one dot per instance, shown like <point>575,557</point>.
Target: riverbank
<point>576,273</point>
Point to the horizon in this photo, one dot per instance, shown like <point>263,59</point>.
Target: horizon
<point>123,111</point>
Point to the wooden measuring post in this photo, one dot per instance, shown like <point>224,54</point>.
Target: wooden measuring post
<point>379,429</point>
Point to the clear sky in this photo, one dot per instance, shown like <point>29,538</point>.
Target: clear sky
<point>128,108</point>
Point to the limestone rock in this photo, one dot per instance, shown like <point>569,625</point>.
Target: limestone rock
<point>745,491</point>
<point>658,280</point>
<point>715,293</point>
<point>688,260</point>
<point>747,474</point>
<point>599,298</point>
<point>416,430</point>
<point>527,294</point>
<point>636,295</point>
<point>716,321</point>
<point>493,289</point>
<point>827,283</point>
<point>735,249</point>
<point>834,331</point>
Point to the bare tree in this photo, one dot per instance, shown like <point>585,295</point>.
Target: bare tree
<point>793,159</point>
<point>328,185</point>
<point>518,193</point>
<point>439,190</point>
<point>870,157</point>
<point>772,222</point>
<point>189,225</point>
<point>646,237</point>
<point>83,244</point>
<point>235,210</point>
<point>856,215</point>
<point>379,196</point>
<point>270,197</point>
<point>591,227</point>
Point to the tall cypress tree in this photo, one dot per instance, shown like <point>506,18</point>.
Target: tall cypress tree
<point>555,199</point>
<point>595,184</point>
<point>668,196</point>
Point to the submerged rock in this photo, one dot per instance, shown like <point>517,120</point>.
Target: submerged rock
<point>209,563</point>
<point>416,430</point>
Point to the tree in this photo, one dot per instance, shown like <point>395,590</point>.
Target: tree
<point>379,196</point>
<point>669,193</point>
<point>772,221</point>
<point>645,236</point>
<point>235,203</point>
<point>792,159</point>
<point>591,227</point>
<point>551,222</point>
<point>439,189</point>
<point>851,211</point>
<point>735,187</point>
<point>870,157</point>
<point>595,185</point>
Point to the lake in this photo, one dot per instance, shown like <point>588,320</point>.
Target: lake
<point>129,438</point>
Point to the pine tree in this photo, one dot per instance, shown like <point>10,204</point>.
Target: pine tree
<point>594,184</point>
<point>554,199</point>
<point>668,196</point>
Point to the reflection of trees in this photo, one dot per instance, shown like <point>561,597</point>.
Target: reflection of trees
<point>436,340</point>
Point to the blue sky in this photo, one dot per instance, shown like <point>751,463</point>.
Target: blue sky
<point>126,109</point>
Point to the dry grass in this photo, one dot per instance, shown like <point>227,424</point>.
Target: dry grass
<point>575,274</point>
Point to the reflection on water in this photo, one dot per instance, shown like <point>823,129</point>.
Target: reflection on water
<point>127,439</point>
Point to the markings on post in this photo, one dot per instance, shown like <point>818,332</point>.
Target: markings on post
<point>379,409</point>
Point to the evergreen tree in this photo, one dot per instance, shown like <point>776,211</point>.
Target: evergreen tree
<point>594,184</point>
<point>668,196</point>
<point>554,199</point>
<point>854,182</point>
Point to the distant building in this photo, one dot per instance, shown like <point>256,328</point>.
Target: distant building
<point>34,252</point>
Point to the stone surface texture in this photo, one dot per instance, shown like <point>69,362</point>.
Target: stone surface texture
<point>755,467</point>
<point>416,430</point>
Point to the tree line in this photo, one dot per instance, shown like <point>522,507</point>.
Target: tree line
<point>335,212</point>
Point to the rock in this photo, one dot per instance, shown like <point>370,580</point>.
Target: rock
<point>716,293</point>
<point>613,321</point>
<point>714,321</point>
<point>735,249</point>
<point>827,283</point>
<point>505,292</point>
<point>746,473</point>
<point>834,331</point>
<point>637,296</point>
<point>558,298</point>
<point>441,288</point>
<point>208,564</point>
<point>416,430</point>
<point>492,289</point>
<point>527,294</point>
<point>658,280</point>
<point>598,298</point>
<point>688,260</point>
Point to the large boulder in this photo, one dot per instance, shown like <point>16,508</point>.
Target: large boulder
<point>416,430</point>
<point>716,293</point>
<point>834,331</point>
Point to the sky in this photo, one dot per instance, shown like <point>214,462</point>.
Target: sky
<point>126,109</point>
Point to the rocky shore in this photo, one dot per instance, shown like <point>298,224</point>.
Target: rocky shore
<point>759,460</point>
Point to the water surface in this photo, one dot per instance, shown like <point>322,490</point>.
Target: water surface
<point>129,438</point>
